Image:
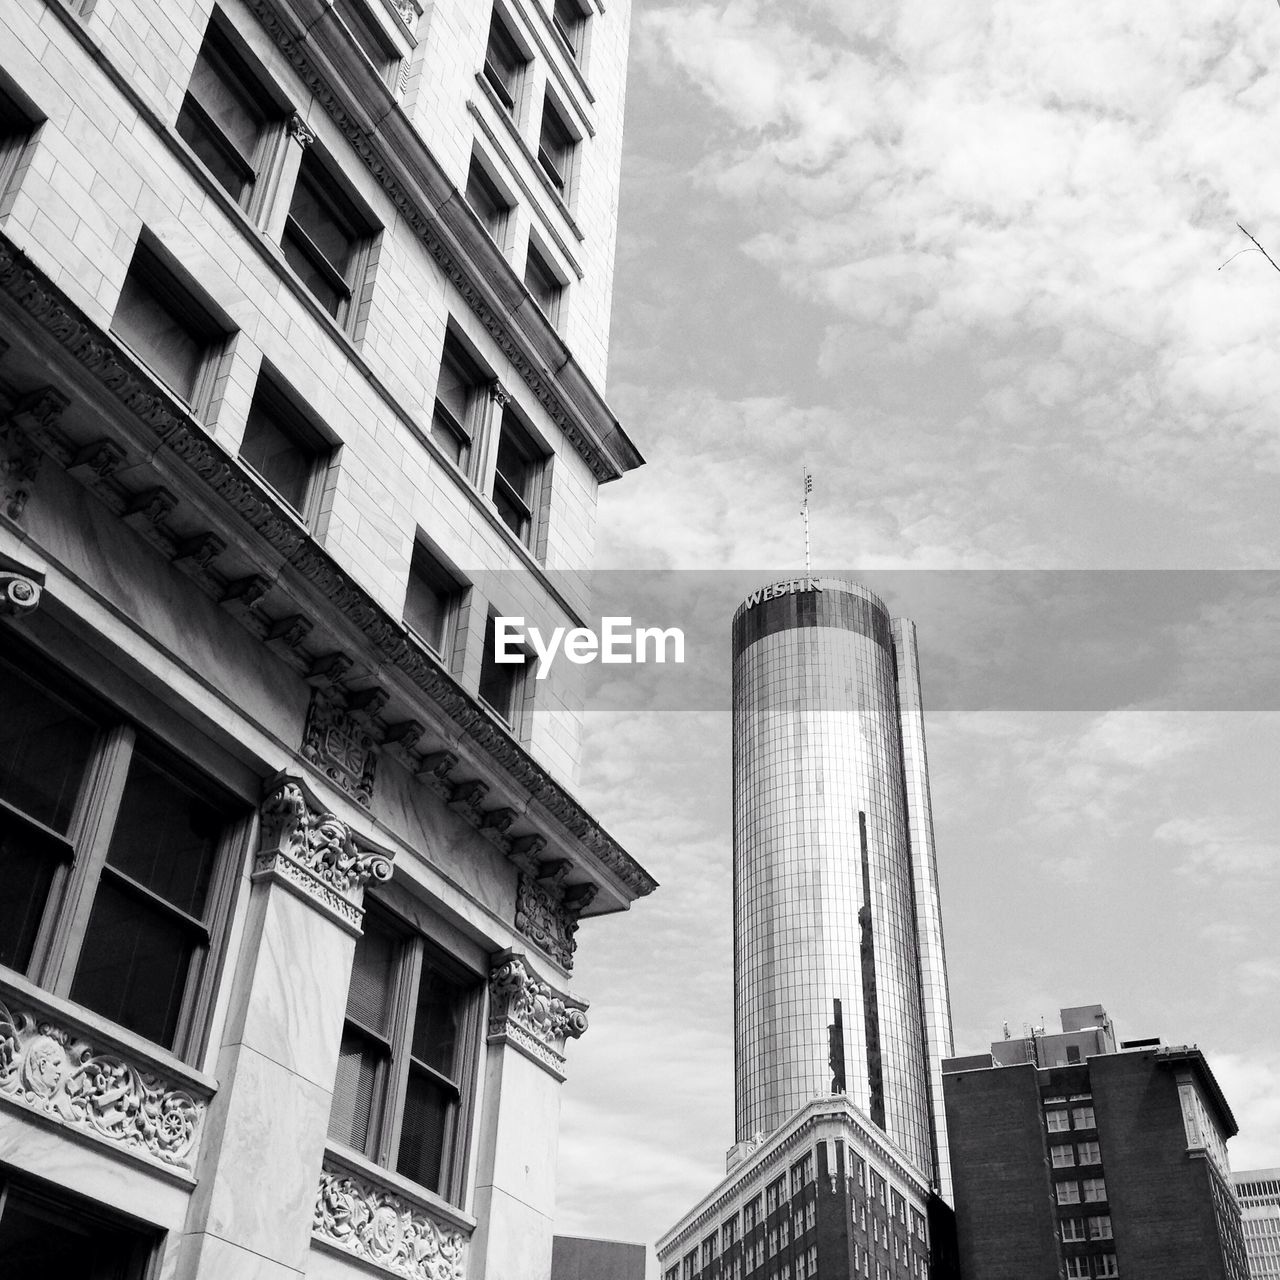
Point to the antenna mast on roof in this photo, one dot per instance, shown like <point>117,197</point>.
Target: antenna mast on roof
<point>804,511</point>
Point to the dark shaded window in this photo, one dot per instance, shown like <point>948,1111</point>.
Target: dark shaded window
<point>171,329</point>
<point>59,1235</point>
<point>225,116</point>
<point>282,447</point>
<point>148,862</point>
<point>367,32</point>
<point>543,284</point>
<point>515,477</point>
<point>555,147</point>
<point>504,63</point>
<point>406,1064</point>
<point>431,599</point>
<point>570,23</point>
<point>501,683</point>
<point>487,201</point>
<point>325,238</point>
<point>16,127</point>
<point>459,391</point>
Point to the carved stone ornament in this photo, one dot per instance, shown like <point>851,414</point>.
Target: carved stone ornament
<point>531,1014</point>
<point>19,594</point>
<point>19,462</point>
<point>547,916</point>
<point>57,1073</point>
<point>316,852</point>
<point>380,1227</point>
<point>339,746</point>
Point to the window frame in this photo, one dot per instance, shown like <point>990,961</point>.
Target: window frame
<point>20,121</point>
<point>548,291</point>
<point>286,414</point>
<point>219,47</point>
<point>152,270</point>
<point>558,166</point>
<point>415,951</point>
<point>526,506</point>
<point>58,944</point>
<point>514,716</point>
<point>481,179</point>
<point>500,33</point>
<point>574,36</point>
<point>342,206</point>
<point>467,431</point>
<point>425,556</point>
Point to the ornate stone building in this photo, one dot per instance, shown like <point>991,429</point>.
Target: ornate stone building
<point>303,326</point>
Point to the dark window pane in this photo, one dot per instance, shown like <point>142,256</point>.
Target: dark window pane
<point>435,1021</point>
<point>153,326</point>
<point>457,384</point>
<point>212,151</point>
<point>569,22</point>
<point>166,838</point>
<point>353,1091</point>
<point>485,199</point>
<point>299,256</point>
<point>373,972</point>
<point>275,452</point>
<point>429,599</point>
<point>28,859</point>
<point>44,747</point>
<point>315,212</point>
<point>134,961</point>
<point>364,29</point>
<point>499,680</point>
<point>449,437</point>
<point>540,282</point>
<point>515,465</point>
<point>502,63</point>
<point>428,1108</point>
<point>43,1237</point>
<point>227,100</point>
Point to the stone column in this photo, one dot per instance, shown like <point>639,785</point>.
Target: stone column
<point>252,1212</point>
<point>529,1022</point>
<point>272,203</point>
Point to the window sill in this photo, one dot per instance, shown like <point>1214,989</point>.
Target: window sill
<point>342,1162</point>
<point>55,1040</point>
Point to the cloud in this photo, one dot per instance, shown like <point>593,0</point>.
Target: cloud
<point>1251,1085</point>
<point>1215,847</point>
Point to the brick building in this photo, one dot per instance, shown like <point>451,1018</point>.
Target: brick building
<point>303,327</point>
<point>1258,1191</point>
<point>1074,1157</point>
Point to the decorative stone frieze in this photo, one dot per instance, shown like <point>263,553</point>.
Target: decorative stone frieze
<point>315,851</point>
<point>530,1014</point>
<point>20,456</point>
<point>340,746</point>
<point>57,1072</point>
<point>251,513</point>
<point>19,594</point>
<point>547,908</point>
<point>379,1226</point>
<point>298,130</point>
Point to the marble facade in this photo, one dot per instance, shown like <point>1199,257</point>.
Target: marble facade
<point>176,630</point>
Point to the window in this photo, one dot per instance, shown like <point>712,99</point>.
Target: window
<point>801,1173</point>
<point>1062,1157</point>
<point>1107,1265</point>
<point>48,1235</point>
<point>460,391</point>
<point>17,124</point>
<point>515,478</point>
<point>226,117</point>
<point>1057,1121</point>
<point>751,1214</point>
<point>811,1214</point>
<point>1100,1227</point>
<point>690,1265</point>
<point>504,64</point>
<point>502,683</point>
<point>487,202</point>
<point>326,239</point>
<point>431,600</point>
<point>367,32</point>
<point>407,1057</point>
<point>121,892</point>
<point>1072,1229</point>
<point>174,333</point>
<point>784,1232</point>
<point>1082,1118</point>
<point>728,1233</point>
<point>1090,1153</point>
<point>556,144</point>
<point>1073,1053</point>
<point>543,283</point>
<point>284,448</point>
<point>708,1250</point>
<point>570,23</point>
<point>1067,1192</point>
<point>1077,1267</point>
<point>1094,1189</point>
<point>899,1208</point>
<point>774,1192</point>
<point>773,1242</point>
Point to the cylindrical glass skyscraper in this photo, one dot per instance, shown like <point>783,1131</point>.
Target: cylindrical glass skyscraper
<point>839,970</point>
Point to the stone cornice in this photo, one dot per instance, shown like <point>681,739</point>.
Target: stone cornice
<point>367,114</point>
<point>298,574</point>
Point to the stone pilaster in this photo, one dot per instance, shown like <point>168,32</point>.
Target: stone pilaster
<point>529,1024</point>
<point>253,1209</point>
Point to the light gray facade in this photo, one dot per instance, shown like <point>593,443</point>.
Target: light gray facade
<point>835,877</point>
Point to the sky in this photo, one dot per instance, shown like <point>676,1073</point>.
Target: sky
<point>978,266</point>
